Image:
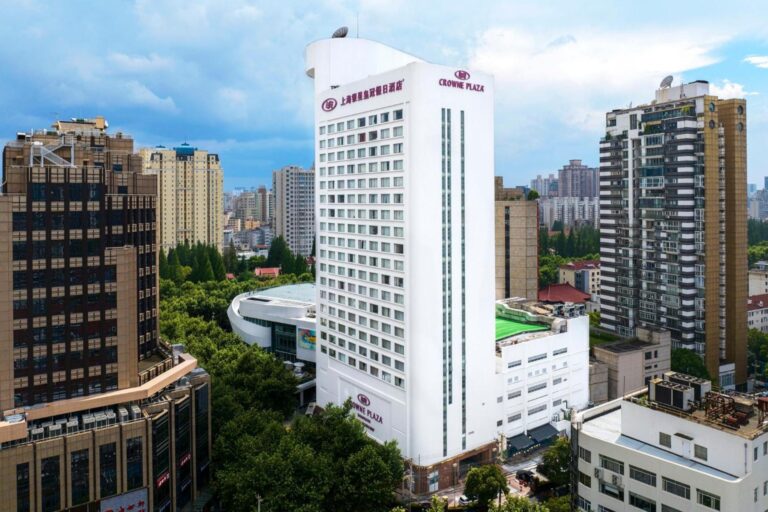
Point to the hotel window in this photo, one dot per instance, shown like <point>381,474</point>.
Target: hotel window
<point>583,504</point>
<point>384,133</point>
<point>514,417</point>
<point>537,409</point>
<point>322,130</point>
<point>134,463</point>
<point>397,148</point>
<point>585,479</point>
<point>360,122</point>
<point>642,503</point>
<point>611,464</point>
<point>665,440</point>
<point>585,455</point>
<point>384,117</point>
<point>514,394</point>
<point>50,489</point>
<point>79,477</point>
<point>700,452</point>
<point>642,475</point>
<point>397,114</point>
<point>537,387</point>
<point>708,500</point>
<point>612,491</point>
<point>667,508</point>
<point>22,487</point>
<point>538,357</point>
<point>372,120</point>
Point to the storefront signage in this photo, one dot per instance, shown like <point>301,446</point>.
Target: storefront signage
<point>134,501</point>
<point>162,479</point>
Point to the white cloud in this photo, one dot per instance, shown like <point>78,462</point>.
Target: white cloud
<point>139,63</point>
<point>139,94</point>
<point>729,90</point>
<point>760,61</point>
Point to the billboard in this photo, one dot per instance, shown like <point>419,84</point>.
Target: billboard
<point>135,501</point>
<point>306,338</point>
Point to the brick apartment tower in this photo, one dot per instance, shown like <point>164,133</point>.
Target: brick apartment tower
<point>673,184</point>
<point>517,243</point>
<point>81,275</point>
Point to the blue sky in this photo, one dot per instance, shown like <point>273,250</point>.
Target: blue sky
<point>228,76</point>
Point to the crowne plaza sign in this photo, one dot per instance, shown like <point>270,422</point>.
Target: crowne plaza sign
<point>461,82</point>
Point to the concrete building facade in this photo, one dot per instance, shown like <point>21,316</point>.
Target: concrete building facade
<point>190,185</point>
<point>294,210</point>
<point>673,447</point>
<point>673,224</point>
<point>571,211</point>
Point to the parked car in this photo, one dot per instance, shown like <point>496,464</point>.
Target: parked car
<point>463,500</point>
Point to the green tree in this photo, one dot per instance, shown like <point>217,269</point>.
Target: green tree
<point>687,361</point>
<point>485,483</point>
<point>217,264</point>
<point>280,255</point>
<point>163,264</point>
<point>519,504</point>
<point>437,504</point>
<point>206,271</point>
<point>532,195</point>
<point>560,504</point>
<point>174,268</point>
<point>556,462</point>
<point>557,225</point>
<point>230,258</point>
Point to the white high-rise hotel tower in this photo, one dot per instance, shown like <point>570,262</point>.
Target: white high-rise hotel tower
<point>404,193</point>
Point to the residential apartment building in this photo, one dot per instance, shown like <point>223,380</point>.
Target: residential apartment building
<point>758,281</point>
<point>294,210</point>
<point>673,447</point>
<point>582,275</point>
<point>673,224</point>
<point>578,180</point>
<point>94,409</point>
<point>265,205</point>
<point>545,186</point>
<point>571,211</point>
<point>757,312</point>
<point>517,243</point>
<point>190,185</point>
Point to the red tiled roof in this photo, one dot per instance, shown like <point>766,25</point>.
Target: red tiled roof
<point>580,265</point>
<point>562,293</point>
<point>267,271</point>
<point>757,302</point>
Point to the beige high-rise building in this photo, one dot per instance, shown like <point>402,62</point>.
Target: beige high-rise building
<point>294,194</point>
<point>517,243</point>
<point>190,185</point>
<point>673,224</point>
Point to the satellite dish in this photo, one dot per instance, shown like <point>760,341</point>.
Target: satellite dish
<point>340,32</point>
<point>666,83</point>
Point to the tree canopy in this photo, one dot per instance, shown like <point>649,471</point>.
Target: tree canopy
<point>519,504</point>
<point>688,361</point>
<point>484,484</point>
<point>556,462</point>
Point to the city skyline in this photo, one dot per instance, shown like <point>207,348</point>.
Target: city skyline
<point>232,83</point>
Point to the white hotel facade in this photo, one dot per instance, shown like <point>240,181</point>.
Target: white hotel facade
<point>405,159</point>
<point>406,307</point>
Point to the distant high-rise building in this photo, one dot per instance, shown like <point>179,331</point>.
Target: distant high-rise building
<point>571,211</point>
<point>96,412</point>
<point>673,224</point>
<point>546,187</point>
<point>577,180</point>
<point>294,195</point>
<point>517,243</point>
<point>190,193</point>
<point>264,204</point>
<point>751,189</point>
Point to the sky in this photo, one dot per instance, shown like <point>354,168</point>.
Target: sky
<point>228,75</point>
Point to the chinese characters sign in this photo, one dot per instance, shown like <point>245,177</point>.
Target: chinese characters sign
<point>134,501</point>
<point>331,103</point>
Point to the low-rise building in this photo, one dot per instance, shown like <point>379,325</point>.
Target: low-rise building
<point>582,275</point>
<point>758,281</point>
<point>542,362</point>
<point>563,293</point>
<point>757,312</point>
<point>633,363</point>
<point>280,320</point>
<point>598,381</point>
<point>676,446</point>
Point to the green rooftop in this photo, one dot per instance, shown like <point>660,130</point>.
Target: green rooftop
<point>506,328</point>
